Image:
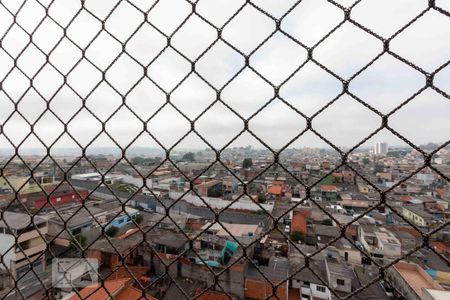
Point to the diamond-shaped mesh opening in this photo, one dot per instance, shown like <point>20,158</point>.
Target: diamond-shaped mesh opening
<point>224,149</point>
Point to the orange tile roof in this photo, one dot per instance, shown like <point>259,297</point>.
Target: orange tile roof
<point>299,220</point>
<point>96,292</point>
<point>275,190</point>
<point>119,288</point>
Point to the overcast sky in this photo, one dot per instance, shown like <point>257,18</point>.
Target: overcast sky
<point>384,85</point>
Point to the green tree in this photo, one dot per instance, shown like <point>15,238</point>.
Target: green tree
<point>261,198</point>
<point>327,180</point>
<point>112,231</point>
<point>297,236</point>
<point>366,161</point>
<point>189,157</point>
<point>247,163</point>
<point>145,161</point>
<point>137,160</point>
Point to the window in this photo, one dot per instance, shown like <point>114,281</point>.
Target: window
<point>306,283</point>
<point>340,281</point>
<point>321,289</point>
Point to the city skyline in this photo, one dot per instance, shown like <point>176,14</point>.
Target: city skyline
<point>98,150</point>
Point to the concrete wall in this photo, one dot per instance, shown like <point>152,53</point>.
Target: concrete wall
<point>354,255</point>
<point>334,277</point>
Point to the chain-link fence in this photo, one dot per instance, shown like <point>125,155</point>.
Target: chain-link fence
<point>65,52</point>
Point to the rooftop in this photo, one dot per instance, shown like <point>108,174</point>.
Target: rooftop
<point>121,289</point>
<point>416,277</point>
<point>275,190</point>
<point>317,264</point>
<point>325,230</point>
<point>75,215</point>
<point>128,241</point>
<point>365,275</point>
<point>237,230</point>
<point>418,210</point>
<point>18,221</point>
<point>276,270</point>
<point>337,267</point>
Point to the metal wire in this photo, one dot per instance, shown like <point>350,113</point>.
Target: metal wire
<point>146,130</point>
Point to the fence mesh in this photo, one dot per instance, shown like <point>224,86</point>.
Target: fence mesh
<point>40,28</point>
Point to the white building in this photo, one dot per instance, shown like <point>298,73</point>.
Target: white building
<point>379,241</point>
<point>380,148</point>
<point>93,177</point>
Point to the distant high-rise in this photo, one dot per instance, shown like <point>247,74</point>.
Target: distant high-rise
<point>380,148</point>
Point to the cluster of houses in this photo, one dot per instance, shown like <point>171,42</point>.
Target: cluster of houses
<point>309,229</point>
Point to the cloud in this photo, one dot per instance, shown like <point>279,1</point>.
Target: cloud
<point>384,85</point>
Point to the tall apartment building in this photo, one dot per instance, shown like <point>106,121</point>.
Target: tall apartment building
<point>380,148</point>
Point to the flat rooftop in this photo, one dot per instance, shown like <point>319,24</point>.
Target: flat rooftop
<point>126,242</point>
<point>18,221</point>
<point>418,210</point>
<point>237,230</point>
<point>416,277</point>
<point>277,270</point>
